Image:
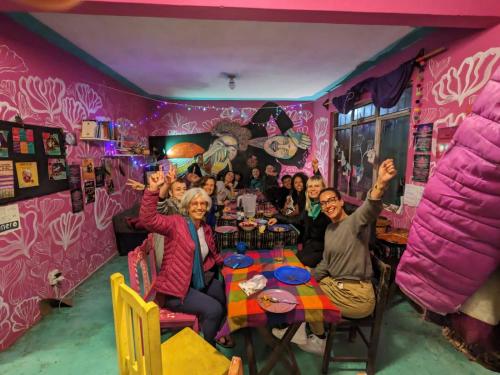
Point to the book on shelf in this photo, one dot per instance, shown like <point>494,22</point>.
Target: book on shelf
<point>89,129</point>
<point>99,130</point>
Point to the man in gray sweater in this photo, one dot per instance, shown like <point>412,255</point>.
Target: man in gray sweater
<point>345,271</point>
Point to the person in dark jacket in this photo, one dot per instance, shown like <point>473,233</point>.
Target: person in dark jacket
<point>313,222</point>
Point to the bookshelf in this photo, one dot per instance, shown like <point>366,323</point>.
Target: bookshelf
<point>126,155</point>
<point>97,140</point>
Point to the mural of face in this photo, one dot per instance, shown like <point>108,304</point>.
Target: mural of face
<point>221,152</point>
<point>280,147</point>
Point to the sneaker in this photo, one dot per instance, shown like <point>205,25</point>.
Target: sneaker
<point>300,337</point>
<point>314,345</point>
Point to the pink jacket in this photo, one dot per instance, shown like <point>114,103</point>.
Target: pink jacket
<point>454,241</point>
<point>174,277</point>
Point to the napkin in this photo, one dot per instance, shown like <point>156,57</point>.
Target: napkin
<point>256,283</point>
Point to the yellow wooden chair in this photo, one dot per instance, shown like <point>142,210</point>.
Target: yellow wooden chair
<point>140,352</point>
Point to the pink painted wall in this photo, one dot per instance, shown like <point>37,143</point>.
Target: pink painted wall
<point>179,120</point>
<point>50,87</point>
<point>452,80</point>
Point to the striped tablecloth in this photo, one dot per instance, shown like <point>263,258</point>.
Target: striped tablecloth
<point>244,311</point>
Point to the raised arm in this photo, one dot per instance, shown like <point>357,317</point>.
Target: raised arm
<point>371,208</point>
<point>148,214</point>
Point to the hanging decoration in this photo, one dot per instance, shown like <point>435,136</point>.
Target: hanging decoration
<point>417,108</point>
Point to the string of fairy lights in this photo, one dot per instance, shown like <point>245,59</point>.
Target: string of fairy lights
<point>141,161</point>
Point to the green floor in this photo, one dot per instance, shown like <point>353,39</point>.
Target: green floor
<point>80,340</point>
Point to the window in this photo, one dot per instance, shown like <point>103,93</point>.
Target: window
<point>363,132</point>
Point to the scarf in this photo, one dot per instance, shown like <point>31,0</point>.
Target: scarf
<point>315,210</point>
<point>197,277</point>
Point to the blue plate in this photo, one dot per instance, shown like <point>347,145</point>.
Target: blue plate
<point>280,228</point>
<point>236,261</point>
<point>292,275</point>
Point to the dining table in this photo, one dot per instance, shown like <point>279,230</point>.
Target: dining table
<point>391,246</point>
<point>228,232</point>
<point>246,312</point>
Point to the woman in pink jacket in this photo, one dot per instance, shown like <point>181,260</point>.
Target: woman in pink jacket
<point>186,280</point>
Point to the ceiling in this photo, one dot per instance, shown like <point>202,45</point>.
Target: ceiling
<point>184,58</point>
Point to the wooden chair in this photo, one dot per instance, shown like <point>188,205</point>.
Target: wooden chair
<point>137,260</point>
<point>137,332</point>
<point>374,322</point>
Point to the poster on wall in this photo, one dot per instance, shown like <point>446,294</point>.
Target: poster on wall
<point>9,219</point>
<point>88,169</point>
<point>23,141</point>
<point>421,165</point>
<point>51,143</point>
<point>423,138</point>
<point>4,143</point>
<point>27,174</point>
<point>6,179</point>
<point>99,176</point>
<point>108,177</point>
<point>57,169</point>
<point>75,184</point>
<point>89,191</point>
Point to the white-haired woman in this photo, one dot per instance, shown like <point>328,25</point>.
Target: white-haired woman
<point>186,280</point>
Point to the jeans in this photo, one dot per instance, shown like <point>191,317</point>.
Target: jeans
<point>208,305</point>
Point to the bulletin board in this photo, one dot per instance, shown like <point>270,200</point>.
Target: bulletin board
<point>32,161</point>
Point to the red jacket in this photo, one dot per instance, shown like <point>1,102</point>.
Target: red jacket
<point>174,277</point>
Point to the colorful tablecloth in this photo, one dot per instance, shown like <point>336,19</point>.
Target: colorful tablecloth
<point>244,311</point>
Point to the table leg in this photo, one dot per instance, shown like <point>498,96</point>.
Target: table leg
<point>280,346</point>
<point>252,365</point>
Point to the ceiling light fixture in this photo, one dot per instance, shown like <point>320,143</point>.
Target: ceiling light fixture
<point>231,77</point>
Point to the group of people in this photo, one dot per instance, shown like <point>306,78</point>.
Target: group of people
<point>335,245</point>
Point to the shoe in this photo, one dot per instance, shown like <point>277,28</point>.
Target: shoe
<point>314,345</point>
<point>300,337</point>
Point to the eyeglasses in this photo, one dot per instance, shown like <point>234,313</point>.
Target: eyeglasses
<point>199,204</point>
<point>329,201</point>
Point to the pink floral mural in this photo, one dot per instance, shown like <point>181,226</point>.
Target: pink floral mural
<point>44,86</point>
<point>451,82</point>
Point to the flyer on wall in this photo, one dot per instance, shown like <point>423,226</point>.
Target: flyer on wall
<point>75,179</point>
<point>6,179</point>
<point>27,174</point>
<point>421,165</point>
<point>89,191</point>
<point>9,219</point>
<point>423,138</point>
<point>57,169</point>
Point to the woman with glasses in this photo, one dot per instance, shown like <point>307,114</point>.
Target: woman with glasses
<point>186,280</point>
<point>345,271</point>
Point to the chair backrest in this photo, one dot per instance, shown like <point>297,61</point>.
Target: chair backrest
<point>137,330</point>
<point>382,293</point>
<point>384,275</point>
<point>138,260</point>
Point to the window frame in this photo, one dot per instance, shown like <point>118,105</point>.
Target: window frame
<point>378,119</point>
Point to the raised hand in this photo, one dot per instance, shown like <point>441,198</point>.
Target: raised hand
<point>386,171</point>
<point>315,164</point>
<point>136,185</point>
<point>156,180</point>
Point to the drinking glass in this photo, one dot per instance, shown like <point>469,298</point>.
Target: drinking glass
<point>278,252</point>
